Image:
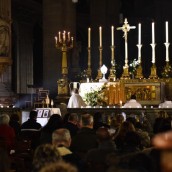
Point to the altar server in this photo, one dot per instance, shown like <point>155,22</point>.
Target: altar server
<point>132,103</point>
<point>166,104</point>
<point>76,100</point>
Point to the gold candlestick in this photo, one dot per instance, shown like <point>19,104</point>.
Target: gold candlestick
<point>112,76</point>
<point>153,74</point>
<point>89,63</point>
<point>64,43</point>
<point>139,74</point>
<point>99,75</point>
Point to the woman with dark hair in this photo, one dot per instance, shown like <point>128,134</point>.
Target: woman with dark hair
<point>55,122</point>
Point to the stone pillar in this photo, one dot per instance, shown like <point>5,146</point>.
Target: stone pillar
<point>57,16</point>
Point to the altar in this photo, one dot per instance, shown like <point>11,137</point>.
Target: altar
<point>118,92</point>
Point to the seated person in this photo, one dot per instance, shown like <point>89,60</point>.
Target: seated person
<point>166,104</point>
<point>132,103</point>
<point>76,100</point>
<point>30,130</point>
<point>31,123</point>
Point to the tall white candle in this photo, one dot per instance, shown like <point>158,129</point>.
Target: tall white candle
<point>112,34</point>
<point>139,34</point>
<point>64,36</point>
<point>89,37</point>
<point>56,39</point>
<point>100,35</point>
<point>166,31</point>
<point>68,36</point>
<point>153,33</point>
<point>59,37</point>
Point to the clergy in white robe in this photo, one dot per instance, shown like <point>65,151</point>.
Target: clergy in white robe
<point>76,100</point>
<point>132,103</point>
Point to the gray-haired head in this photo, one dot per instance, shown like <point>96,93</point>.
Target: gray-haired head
<point>61,137</point>
<point>4,119</point>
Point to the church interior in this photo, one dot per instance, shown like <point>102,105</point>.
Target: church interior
<point>108,53</point>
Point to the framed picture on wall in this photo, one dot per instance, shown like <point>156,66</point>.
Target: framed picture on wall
<point>46,113</point>
<point>40,113</point>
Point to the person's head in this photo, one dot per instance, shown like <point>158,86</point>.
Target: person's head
<point>61,137</point>
<point>4,119</point>
<point>103,134</point>
<point>44,155</point>
<point>14,117</point>
<point>87,121</point>
<point>59,167</point>
<point>73,117</point>
<point>33,115</point>
<point>126,127</point>
<point>133,96</point>
<point>167,97</point>
<point>55,121</point>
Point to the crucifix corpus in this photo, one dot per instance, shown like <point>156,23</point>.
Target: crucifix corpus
<point>126,28</point>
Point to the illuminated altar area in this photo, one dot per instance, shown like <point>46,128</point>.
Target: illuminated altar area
<point>116,93</point>
<point>149,91</point>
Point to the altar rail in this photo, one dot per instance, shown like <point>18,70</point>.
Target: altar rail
<point>110,110</point>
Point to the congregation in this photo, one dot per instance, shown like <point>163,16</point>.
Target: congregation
<point>84,143</point>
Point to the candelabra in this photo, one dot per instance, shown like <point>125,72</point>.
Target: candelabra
<point>99,75</point>
<point>153,74</point>
<point>112,76</point>
<point>63,42</point>
<point>139,74</point>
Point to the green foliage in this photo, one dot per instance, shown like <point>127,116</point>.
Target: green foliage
<point>96,97</point>
<point>167,72</point>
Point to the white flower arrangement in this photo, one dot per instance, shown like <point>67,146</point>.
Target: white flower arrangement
<point>96,97</point>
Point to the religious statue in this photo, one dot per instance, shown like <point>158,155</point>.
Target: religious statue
<point>4,38</point>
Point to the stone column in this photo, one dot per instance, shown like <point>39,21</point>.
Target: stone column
<point>57,16</point>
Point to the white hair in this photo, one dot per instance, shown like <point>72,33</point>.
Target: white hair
<point>61,137</point>
<point>4,119</point>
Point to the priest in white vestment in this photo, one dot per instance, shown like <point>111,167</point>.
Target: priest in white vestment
<point>76,100</point>
<point>132,103</point>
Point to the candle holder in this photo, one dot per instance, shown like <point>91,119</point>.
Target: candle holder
<point>153,74</point>
<point>89,63</point>
<point>112,76</point>
<point>64,42</point>
<point>167,71</point>
<point>139,74</point>
<point>125,74</point>
<point>99,75</point>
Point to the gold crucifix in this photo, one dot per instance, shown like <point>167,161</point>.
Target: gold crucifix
<point>126,28</point>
